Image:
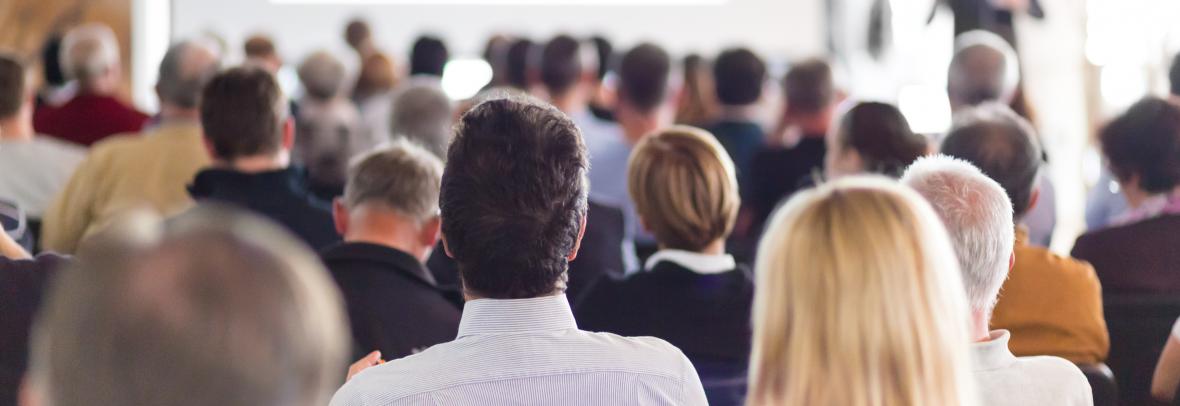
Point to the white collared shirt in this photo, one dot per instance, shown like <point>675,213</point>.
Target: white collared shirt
<point>704,264</point>
<point>1005,379</point>
<point>530,352</point>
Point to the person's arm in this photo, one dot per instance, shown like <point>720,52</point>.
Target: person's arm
<point>1167,371</point>
<point>10,249</point>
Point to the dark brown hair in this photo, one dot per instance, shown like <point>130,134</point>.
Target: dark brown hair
<point>243,112</point>
<point>1145,141</point>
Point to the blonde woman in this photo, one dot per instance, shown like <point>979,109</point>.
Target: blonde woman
<point>859,302</point>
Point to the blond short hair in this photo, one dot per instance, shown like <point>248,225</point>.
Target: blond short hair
<point>859,302</point>
<point>684,187</point>
<point>216,307</point>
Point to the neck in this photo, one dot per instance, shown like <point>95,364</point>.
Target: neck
<point>569,102</point>
<point>637,126</point>
<point>979,326</point>
<point>173,113</point>
<point>257,163</point>
<point>1134,195</point>
<point>815,125</point>
<point>744,112</point>
<point>15,129</point>
<point>384,227</point>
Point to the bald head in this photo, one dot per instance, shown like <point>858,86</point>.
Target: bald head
<point>214,308</point>
<point>186,68</point>
<point>984,68</point>
<point>978,218</point>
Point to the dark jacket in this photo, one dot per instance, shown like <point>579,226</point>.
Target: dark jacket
<point>776,173</point>
<point>741,139</point>
<point>1140,257</point>
<point>393,303</point>
<point>23,284</point>
<point>280,195</point>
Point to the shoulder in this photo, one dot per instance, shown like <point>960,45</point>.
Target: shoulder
<point>1055,371</point>
<point>1068,268</point>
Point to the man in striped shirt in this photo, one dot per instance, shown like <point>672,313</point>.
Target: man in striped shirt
<point>513,205</point>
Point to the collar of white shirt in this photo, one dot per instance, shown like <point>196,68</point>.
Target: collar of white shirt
<point>993,353</point>
<point>506,316</point>
<point>704,264</point>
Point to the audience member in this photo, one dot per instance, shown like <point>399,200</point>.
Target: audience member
<point>359,37</point>
<point>428,57</point>
<point>329,130</point>
<point>691,292</point>
<point>566,70</point>
<point>1051,304</point>
<point>643,108</point>
<point>517,168</point>
<point>90,56</point>
<point>859,302</point>
<point>1136,253</point>
<point>517,64</point>
<point>984,69</point>
<point>249,137</point>
<point>389,219</point>
<point>213,308</point>
<point>602,99</point>
<point>22,281</point>
<point>697,104</point>
<point>422,113</point>
<point>738,76</point>
<point>55,90</point>
<point>33,168</point>
<point>872,137</point>
<point>144,172</point>
<point>373,94</point>
<point>495,53</point>
<point>978,217</point>
<point>778,171</point>
<point>260,51</point>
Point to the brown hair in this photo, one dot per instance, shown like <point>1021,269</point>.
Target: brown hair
<point>377,76</point>
<point>684,187</point>
<point>243,112</point>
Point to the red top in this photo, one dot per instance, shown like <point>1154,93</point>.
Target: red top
<point>87,119</point>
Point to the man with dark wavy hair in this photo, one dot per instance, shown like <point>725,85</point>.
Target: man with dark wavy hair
<point>513,206</point>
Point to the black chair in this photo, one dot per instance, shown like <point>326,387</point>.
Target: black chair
<point>1139,326</point>
<point>1102,383</point>
<point>724,382</point>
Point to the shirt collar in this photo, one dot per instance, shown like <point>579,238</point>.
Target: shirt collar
<point>993,353</point>
<point>704,264</point>
<point>501,316</point>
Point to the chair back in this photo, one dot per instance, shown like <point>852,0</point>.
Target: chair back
<point>1139,326</point>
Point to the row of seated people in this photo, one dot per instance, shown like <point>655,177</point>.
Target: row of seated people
<point>869,137</point>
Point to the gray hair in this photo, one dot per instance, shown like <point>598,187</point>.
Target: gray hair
<point>977,215</point>
<point>403,177</point>
<point>186,68</point>
<point>89,51</point>
<point>984,68</point>
<point>216,307</point>
<point>423,113</point>
<point>322,75</point>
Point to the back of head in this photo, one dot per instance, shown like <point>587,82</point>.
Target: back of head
<point>518,63</point>
<point>214,308</point>
<point>1001,144</point>
<point>259,47</point>
<point>1144,142</point>
<point>684,188</point>
<point>1174,76</point>
<point>514,197</point>
<point>858,285</point>
<point>186,68</point>
<point>880,134</point>
<point>984,68</point>
<point>14,86</point>
<point>376,77</point>
<point>738,75</point>
<point>357,34</point>
<point>809,87</point>
<point>428,57</point>
<point>605,55</point>
<point>423,114</point>
<point>561,64</point>
<point>978,217</point>
<point>643,77</point>
<point>412,192</point>
<point>322,75</point>
<point>89,52</point>
<point>243,113</point>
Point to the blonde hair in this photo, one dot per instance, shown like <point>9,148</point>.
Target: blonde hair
<point>859,302</point>
<point>684,187</point>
